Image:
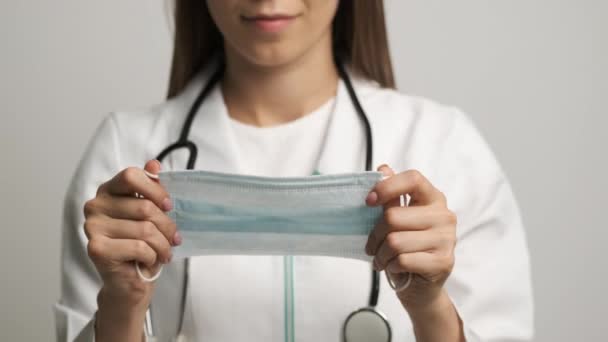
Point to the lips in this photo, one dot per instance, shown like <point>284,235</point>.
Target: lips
<point>271,23</point>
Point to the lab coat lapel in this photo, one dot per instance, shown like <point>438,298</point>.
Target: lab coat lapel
<point>345,145</point>
<point>212,134</point>
<point>167,303</point>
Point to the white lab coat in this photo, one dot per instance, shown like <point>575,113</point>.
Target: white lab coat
<point>243,296</point>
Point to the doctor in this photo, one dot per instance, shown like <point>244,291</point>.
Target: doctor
<point>281,107</point>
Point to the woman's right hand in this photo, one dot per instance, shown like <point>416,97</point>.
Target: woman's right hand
<point>123,229</point>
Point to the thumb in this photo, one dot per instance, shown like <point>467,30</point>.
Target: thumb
<point>152,168</point>
<point>387,171</point>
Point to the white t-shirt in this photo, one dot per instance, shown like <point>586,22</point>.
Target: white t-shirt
<point>287,150</point>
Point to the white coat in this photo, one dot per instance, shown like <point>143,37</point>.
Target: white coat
<point>244,296</point>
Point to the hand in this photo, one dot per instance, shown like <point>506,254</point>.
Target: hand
<point>123,229</point>
<point>418,239</point>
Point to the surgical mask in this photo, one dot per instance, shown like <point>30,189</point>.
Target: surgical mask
<point>323,215</point>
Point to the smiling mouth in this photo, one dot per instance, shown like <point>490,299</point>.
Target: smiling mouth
<point>269,23</point>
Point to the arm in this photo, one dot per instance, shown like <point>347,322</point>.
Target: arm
<point>104,223</point>
<point>80,282</point>
<point>487,296</point>
<point>417,240</point>
<point>490,284</point>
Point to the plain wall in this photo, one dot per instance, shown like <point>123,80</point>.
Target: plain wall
<point>532,74</point>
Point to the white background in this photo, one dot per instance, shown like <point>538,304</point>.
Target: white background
<point>533,74</point>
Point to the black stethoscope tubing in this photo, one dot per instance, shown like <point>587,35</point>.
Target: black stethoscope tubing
<point>184,142</point>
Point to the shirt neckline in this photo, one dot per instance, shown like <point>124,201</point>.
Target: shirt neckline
<point>323,110</point>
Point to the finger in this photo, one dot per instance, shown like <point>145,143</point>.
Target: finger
<point>128,208</point>
<point>405,242</point>
<point>103,249</point>
<point>417,218</point>
<point>152,168</point>
<point>133,180</point>
<point>404,219</point>
<point>377,235</point>
<point>422,263</point>
<point>387,171</point>
<point>409,182</point>
<point>137,230</point>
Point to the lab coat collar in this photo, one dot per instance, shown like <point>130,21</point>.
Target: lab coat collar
<point>210,130</point>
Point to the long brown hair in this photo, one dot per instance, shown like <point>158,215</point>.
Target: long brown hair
<point>359,38</point>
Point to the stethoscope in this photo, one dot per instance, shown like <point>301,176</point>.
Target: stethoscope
<point>365,324</point>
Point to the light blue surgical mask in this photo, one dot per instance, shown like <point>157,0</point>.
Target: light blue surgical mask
<point>247,215</point>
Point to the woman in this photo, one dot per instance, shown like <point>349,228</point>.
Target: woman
<point>281,109</point>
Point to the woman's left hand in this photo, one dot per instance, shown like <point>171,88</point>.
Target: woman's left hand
<point>418,238</point>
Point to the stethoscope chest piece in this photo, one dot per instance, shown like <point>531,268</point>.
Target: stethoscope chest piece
<point>366,325</point>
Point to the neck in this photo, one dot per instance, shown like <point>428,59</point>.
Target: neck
<point>272,95</point>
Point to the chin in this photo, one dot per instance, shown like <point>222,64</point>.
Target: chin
<point>270,54</point>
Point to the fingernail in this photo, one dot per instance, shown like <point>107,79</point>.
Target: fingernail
<point>371,198</point>
<point>376,268</point>
<point>382,166</point>
<point>177,239</point>
<point>167,204</point>
<point>151,175</point>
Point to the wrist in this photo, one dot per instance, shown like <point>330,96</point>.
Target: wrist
<point>119,320</point>
<point>117,300</point>
<point>434,307</point>
<point>437,320</point>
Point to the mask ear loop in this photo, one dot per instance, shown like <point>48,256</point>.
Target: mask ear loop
<point>148,279</point>
<point>403,285</point>
<point>137,268</point>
